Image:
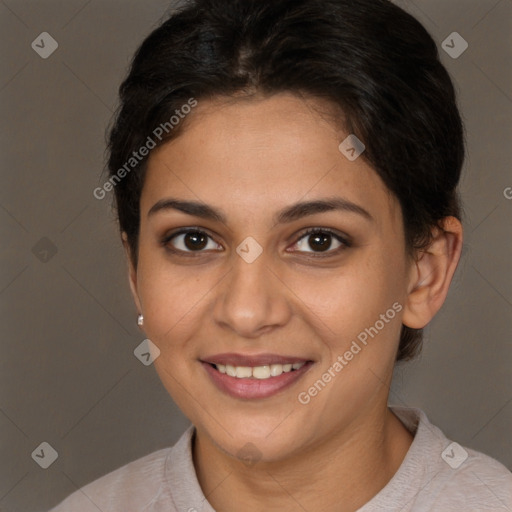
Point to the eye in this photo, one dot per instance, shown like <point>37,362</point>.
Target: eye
<point>321,240</point>
<point>190,240</point>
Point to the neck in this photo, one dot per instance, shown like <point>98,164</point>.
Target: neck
<point>340,473</point>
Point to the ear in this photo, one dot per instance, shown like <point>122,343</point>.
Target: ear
<point>432,273</point>
<point>132,272</point>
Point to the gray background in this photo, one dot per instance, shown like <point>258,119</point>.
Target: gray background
<point>68,373</point>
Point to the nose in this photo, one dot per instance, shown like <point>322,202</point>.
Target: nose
<point>252,299</point>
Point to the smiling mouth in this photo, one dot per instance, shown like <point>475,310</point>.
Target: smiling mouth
<point>257,372</point>
<point>255,377</point>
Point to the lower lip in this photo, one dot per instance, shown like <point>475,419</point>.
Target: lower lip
<point>251,387</point>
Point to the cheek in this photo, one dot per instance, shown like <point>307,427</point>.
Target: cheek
<point>171,300</point>
<point>377,302</point>
<point>170,296</point>
<point>351,298</point>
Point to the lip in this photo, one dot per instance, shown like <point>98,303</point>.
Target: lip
<point>252,388</point>
<point>234,359</point>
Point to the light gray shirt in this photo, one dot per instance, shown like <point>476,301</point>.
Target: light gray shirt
<point>435,475</point>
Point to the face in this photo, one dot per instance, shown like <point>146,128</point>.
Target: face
<point>262,246</point>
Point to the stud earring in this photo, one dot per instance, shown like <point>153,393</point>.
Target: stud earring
<point>140,320</point>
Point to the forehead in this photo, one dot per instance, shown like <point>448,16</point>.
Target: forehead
<point>262,154</point>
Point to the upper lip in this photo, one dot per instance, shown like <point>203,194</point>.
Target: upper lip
<point>256,360</point>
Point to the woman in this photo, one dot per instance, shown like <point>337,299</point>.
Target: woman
<point>285,175</point>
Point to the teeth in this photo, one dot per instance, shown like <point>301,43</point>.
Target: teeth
<point>276,370</point>
<point>243,372</point>
<point>258,372</point>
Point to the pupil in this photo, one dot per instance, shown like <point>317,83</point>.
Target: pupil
<point>320,241</point>
<point>195,241</point>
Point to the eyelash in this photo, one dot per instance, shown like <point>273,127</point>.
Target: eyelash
<point>311,231</point>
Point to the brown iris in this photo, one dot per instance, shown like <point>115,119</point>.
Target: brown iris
<point>195,240</point>
<point>320,241</point>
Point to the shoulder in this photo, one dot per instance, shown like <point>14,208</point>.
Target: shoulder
<point>452,477</point>
<point>129,487</point>
<point>133,486</point>
<point>479,483</point>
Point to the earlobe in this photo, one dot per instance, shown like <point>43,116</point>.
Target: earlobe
<point>432,274</point>
<point>132,272</point>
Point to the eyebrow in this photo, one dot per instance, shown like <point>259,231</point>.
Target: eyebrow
<point>288,214</point>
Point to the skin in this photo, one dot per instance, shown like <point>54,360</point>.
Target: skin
<point>250,158</point>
